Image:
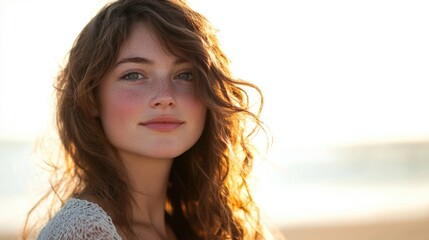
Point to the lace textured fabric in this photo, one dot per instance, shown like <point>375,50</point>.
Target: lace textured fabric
<point>80,219</point>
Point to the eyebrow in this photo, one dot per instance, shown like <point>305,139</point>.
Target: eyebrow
<point>143,60</point>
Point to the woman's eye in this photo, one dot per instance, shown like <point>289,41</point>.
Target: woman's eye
<point>184,76</point>
<point>132,76</point>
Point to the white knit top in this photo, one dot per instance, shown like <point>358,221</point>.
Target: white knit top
<point>80,219</point>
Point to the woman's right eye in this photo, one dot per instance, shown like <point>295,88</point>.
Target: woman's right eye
<point>132,76</point>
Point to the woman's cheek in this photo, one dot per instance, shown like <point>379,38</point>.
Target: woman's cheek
<point>122,105</point>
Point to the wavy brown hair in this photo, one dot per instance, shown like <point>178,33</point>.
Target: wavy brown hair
<point>208,196</point>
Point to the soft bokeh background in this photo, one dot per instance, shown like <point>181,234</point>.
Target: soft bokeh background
<point>346,91</point>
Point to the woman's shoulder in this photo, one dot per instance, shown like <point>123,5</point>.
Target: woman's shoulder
<point>80,219</point>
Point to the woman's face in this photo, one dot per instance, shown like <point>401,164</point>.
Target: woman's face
<point>148,104</point>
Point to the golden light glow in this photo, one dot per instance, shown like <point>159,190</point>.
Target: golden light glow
<point>333,73</point>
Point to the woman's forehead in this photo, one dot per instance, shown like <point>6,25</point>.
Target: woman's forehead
<point>145,39</point>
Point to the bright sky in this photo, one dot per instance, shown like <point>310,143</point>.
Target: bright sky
<point>332,71</point>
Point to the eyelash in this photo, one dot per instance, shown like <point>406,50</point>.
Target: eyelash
<point>141,76</point>
<point>127,76</point>
<point>189,74</point>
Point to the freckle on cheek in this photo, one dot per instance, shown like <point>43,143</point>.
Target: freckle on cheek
<point>125,102</point>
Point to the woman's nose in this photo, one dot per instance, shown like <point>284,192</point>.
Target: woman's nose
<point>163,96</point>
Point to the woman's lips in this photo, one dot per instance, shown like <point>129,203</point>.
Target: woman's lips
<point>162,124</point>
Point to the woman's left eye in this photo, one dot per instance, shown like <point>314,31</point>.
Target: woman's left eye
<point>184,76</point>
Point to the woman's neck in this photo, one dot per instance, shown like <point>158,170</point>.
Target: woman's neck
<point>148,186</point>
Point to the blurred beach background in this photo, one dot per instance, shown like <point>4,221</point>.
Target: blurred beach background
<point>346,101</point>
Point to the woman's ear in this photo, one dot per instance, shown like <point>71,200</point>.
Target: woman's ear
<point>93,110</point>
<point>93,106</point>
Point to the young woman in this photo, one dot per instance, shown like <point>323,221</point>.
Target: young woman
<point>154,129</point>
